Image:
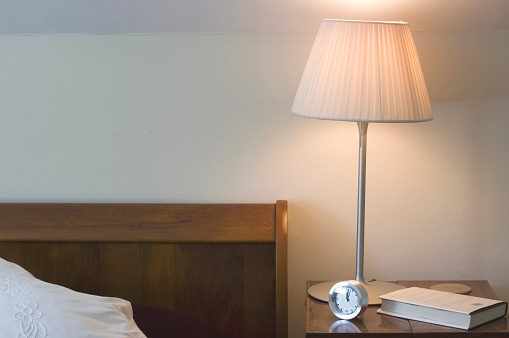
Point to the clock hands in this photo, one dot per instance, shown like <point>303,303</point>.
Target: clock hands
<point>348,299</point>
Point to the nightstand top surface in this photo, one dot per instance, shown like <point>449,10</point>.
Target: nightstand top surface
<point>320,321</point>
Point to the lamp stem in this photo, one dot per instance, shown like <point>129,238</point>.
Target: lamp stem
<point>373,287</point>
<point>361,201</point>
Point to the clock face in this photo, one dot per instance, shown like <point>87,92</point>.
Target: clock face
<point>348,299</point>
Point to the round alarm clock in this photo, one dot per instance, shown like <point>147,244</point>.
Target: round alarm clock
<point>348,299</point>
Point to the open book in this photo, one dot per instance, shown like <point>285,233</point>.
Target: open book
<point>442,308</point>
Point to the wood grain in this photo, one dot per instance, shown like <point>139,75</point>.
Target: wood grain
<point>259,293</point>
<point>158,274</point>
<point>47,261</point>
<point>281,221</point>
<point>224,263</point>
<point>208,284</point>
<point>137,222</point>
<point>121,271</point>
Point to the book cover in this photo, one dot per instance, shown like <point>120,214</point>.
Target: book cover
<point>442,308</point>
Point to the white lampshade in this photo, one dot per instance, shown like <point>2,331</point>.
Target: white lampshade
<point>365,71</point>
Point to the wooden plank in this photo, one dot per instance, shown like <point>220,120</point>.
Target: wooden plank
<point>137,222</point>
<point>281,228</point>
<point>121,271</point>
<point>209,280</point>
<point>157,275</point>
<point>73,265</point>
<point>116,271</point>
<point>260,291</point>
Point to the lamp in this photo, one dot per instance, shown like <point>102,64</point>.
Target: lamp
<point>363,71</point>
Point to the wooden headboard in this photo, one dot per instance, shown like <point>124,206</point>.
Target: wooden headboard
<point>224,263</point>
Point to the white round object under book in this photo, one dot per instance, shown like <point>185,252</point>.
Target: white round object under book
<point>460,289</point>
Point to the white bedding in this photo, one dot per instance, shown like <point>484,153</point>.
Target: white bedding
<point>31,308</point>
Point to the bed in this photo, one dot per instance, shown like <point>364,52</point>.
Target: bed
<point>212,268</point>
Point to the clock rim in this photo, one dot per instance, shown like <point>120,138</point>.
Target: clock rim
<point>361,293</point>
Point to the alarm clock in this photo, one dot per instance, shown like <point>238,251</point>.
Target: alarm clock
<point>348,299</point>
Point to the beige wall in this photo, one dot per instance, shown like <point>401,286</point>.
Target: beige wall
<point>233,16</point>
<point>206,118</point>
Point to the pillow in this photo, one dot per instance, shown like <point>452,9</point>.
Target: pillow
<point>31,308</point>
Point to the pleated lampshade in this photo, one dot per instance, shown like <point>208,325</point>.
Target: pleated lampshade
<point>364,71</point>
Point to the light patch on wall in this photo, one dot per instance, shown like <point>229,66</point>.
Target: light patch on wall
<point>373,4</point>
<point>376,10</point>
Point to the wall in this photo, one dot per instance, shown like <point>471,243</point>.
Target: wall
<point>195,16</point>
<point>206,118</point>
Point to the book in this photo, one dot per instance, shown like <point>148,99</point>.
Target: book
<point>442,308</point>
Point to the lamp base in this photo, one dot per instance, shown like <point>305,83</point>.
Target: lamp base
<point>374,288</point>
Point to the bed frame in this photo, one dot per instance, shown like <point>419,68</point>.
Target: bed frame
<point>223,263</point>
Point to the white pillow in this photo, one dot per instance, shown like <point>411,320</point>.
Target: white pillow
<point>31,308</point>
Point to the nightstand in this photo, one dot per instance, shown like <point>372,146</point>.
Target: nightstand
<point>321,322</point>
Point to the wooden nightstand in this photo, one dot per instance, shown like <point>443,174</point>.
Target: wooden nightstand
<point>321,322</point>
